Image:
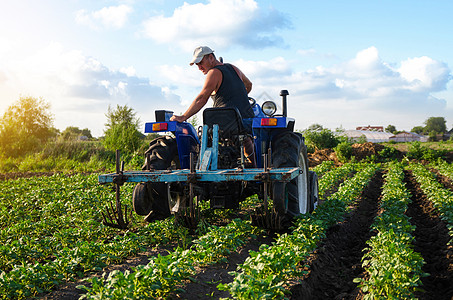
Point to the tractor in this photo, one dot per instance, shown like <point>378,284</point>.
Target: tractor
<point>185,166</point>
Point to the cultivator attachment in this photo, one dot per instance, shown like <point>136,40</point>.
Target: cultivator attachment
<point>114,216</point>
<point>263,216</point>
<point>190,216</point>
<point>268,219</point>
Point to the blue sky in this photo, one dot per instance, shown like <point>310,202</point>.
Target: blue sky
<point>345,63</point>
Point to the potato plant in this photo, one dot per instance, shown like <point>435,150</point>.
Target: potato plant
<point>264,273</point>
<point>51,231</point>
<point>441,197</point>
<point>394,269</point>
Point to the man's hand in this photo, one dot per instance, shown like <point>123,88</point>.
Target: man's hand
<point>178,118</point>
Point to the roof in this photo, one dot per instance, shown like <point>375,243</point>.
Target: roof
<point>371,136</point>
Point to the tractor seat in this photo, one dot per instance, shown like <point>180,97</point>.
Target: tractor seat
<point>229,120</point>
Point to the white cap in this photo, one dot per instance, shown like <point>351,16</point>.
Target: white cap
<point>199,53</point>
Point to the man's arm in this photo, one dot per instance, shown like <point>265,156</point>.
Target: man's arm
<point>247,82</point>
<point>212,82</point>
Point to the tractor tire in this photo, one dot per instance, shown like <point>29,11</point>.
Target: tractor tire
<point>154,198</point>
<point>141,202</point>
<point>314,190</point>
<point>293,198</point>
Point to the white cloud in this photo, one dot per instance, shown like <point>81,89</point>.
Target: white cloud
<point>109,17</point>
<point>80,88</point>
<point>424,73</point>
<point>218,23</point>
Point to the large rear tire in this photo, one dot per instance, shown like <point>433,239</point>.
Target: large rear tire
<point>156,199</point>
<point>292,198</point>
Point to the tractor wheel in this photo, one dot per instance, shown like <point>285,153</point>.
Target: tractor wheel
<point>314,190</point>
<point>292,198</point>
<point>156,202</point>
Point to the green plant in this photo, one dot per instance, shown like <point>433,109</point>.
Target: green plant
<point>343,151</point>
<point>394,269</point>
<point>319,138</point>
<point>264,274</point>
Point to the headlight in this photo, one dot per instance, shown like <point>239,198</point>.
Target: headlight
<point>269,108</point>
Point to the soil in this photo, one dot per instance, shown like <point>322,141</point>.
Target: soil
<point>338,260</point>
<point>431,238</point>
<point>204,284</point>
<point>359,151</point>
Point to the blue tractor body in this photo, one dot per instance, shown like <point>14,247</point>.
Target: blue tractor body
<point>209,164</point>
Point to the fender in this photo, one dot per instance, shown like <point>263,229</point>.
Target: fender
<point>186,138</point>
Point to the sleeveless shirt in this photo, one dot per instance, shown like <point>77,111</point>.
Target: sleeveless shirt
<point>232,92</point>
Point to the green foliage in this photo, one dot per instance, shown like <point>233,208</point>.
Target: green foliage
<point>436,193</point>
<point>317,137</point>
<point>163,274</point>
<point>419,152</point>
<point>433,126</point>
<point>51,231</point>
<point>73,133</point>
<point>388,153</point>
<point>25,126</point>
<point>418,129</point>
<point>265,273</point>
<point>436,124</point>
<point>122,130</point>
<point>343,151</point>
<point>125,138</point>
<point>391,129</point>
<point>394,268</point>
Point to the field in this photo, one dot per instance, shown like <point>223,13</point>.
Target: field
<point>384,231</point>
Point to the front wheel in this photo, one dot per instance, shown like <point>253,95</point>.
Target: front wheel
<point>292,198</point>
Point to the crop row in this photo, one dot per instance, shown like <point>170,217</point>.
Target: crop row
<point>441,197</point>
<point>323,167</point>
<point>329,179</point>
<point>265,272</point>
<point>394,268</point>
<point>51,232</point>
<point>163,274</point>
<point>444,168</point>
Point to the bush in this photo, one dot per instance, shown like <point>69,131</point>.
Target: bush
<point>419,152</point>
<point>343,151</point>
<point>319,139</point>
<point>388,153</point>
<point>125,138</point>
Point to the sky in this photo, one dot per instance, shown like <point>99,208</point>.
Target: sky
<point>344,63</point>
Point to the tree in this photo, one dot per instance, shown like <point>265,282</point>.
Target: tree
<point>436,124</point>
<point>391,129</point>
<point>72,133</point>
<point>317,137</point>
<point>122,115</point>
<point>418,129</point>
<point>25,127</point>
<point>122,130</point>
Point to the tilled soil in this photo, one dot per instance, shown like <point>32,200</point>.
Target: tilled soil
<point>431,238</point>
<point>338,260</point>
<point>204,284</point>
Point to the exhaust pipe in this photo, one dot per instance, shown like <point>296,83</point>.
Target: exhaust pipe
<point>284,93</point>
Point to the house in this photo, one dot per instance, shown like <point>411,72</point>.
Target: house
<point>370,128</point>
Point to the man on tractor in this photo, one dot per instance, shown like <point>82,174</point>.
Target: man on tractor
<point>227,86</point>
